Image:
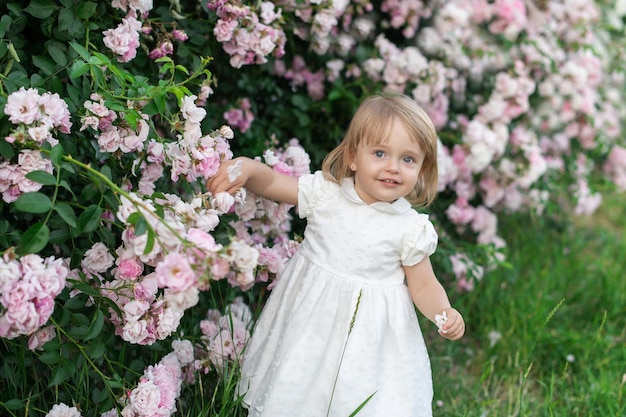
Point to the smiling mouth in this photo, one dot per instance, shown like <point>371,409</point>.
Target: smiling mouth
<point>385,181</point>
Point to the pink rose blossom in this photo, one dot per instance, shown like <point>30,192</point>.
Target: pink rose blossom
<point>62,410</point>
<point>41,337</point>
<point>174,272</point>
<point>145,399</point>
<point>124,40</point>
<point>23,106</point>
<point>97,258</point>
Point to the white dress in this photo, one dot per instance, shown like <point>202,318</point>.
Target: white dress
<point>313,352</point>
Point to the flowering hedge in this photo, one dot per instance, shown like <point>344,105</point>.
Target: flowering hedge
<point>126,287</point>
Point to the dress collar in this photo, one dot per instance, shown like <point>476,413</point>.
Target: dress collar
<point>399,206</point>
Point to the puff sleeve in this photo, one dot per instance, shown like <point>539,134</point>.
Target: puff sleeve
<point>420,241</point>
<point>312,188</point>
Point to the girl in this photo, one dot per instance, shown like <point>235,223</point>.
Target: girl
<point>339,330</point>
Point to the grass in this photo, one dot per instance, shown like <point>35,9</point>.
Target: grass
<point>561,313</point>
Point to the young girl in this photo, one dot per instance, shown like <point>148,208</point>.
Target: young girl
<point>339,330</point>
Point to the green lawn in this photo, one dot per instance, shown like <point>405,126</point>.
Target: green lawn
<point>561,313</point>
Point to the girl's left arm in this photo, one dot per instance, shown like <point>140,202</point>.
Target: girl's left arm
<point>431,299</point>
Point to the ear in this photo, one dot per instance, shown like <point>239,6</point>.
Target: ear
<point>351,162</point>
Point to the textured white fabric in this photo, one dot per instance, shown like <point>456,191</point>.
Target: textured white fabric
<point>302,351</point>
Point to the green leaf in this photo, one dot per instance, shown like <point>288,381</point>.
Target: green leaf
<point>13,404</point>
<point>42,177</point>
<point>67,213</point>
<point>41,8</point>
<point>96,325</point>
<point>77,332</point>
<point>5,24</point>
<point>96,350</point>
<point>33,203</point>
<point>160,100</point>
<point>90,219</point>
<point>78,68</point>
<point>4,46</point>
<point>34,239</point>
<point>141,225</point>
<point>56,154</point>
<point>356,411</point>
<point>59,236</point>
<point>106,171</point>
<point>81,50</point>
<point>36,80</point>
<point>57,53</point>
<point>86,9</point>
<point>45,64</point>
<point>149,242</point>
<point>6,149</point>
<point>69,22</point>
<point>60,374</point>
<point>132,118</point>
<point>50,358</point>
<point>182,69</point>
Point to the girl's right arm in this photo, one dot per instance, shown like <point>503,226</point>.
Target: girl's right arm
<point>256,177</point>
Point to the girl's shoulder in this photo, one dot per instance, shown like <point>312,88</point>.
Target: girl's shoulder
<point>312,190</point>
<point>420,238</point>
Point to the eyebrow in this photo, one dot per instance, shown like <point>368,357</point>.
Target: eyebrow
<point>384,146</point>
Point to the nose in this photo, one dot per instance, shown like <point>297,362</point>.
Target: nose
<point>392,165</point>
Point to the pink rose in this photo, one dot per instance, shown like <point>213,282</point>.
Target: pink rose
<point>145,399</point>
<point>41,337</point>
<point>97,258</point>
<point>128,268</point>
<point>175,272</point>
<point>23,106</point>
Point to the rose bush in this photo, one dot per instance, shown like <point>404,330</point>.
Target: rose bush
<point>126,287</point>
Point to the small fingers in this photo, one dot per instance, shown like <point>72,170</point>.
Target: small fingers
<point>454,327</point>
<point>221,181</point>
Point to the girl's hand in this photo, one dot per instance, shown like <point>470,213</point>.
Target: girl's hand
<point>230,176</point>
<point>454,326</point>
<point>257,177</point>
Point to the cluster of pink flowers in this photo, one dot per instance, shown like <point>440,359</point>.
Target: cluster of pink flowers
<point>13,181</point>
<point>466,271</point>
<point>153,289</point>
<point>247,36</point>
<point>224,336</point>
<point>124,39</point>
<point>300,75</point>
<point>195,155</point>
<point>38,117</point>
<point>165,45</point>
<point>265,224</point>
<point>137,6</point>
<point>112,136</point>
<point>240,117</point>
<point>153,285</point>
<point>507,17</point>
<point>406,14</point>
<point>28,286</point>
<point>160,385</point>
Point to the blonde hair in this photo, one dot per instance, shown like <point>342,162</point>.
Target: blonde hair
<point>371,124</point>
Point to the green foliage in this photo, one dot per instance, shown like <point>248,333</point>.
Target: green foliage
<point>559,312</point>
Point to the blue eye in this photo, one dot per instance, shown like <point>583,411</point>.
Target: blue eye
<point>379,154</point>
<point>408,159</point>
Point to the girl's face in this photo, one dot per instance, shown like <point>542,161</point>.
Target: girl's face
<point>387,171</point>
